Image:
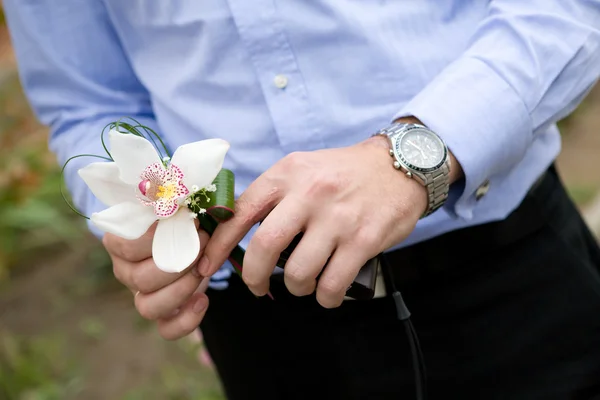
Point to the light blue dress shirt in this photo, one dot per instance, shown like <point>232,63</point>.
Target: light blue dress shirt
<point>277,76</point>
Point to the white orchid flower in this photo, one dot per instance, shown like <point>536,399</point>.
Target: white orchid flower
<point>139,189</point>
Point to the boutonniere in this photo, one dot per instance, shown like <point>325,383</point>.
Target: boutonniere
<point>141,183</point>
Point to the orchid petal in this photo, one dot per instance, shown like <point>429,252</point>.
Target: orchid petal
<point>103,180</point>
<point>132,154</point>
<point>165,208</point>
<point>200,161</point>
<point>176,242</point>
<point>127,220</point>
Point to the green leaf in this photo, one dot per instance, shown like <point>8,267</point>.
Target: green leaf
<point>221,204</point>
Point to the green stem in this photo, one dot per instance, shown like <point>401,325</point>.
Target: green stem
<point>62,180</point>
<point>209,224</point>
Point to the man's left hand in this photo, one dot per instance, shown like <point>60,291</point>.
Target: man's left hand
<point>350,203</point>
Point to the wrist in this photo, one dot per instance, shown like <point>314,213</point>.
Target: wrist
<point>417,193</point>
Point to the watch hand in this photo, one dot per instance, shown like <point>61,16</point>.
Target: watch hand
<point>418,148</point>
<point>414,145</point>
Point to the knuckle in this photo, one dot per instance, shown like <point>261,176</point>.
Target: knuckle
<point>215,247</point>
<point>329,302</point>
<point>263,240</point>
<point>344,216</point>
<point>251,280</point>
<point>294,160</point>
<point>297,275</point>
<point>168,334</point>
<point>367,238</point>
<point>178,328</point>
<point>111,243</point>
<point>260,241</point>
<point>106,241</point>
<point>171,336</point>
<point>145,309</point>
<point>330,289</point>
<point>325,185</point>
<point>140,282</point>
<point>119,272</point>
<point>302,289</point>
<point>247,211</point>
<point>126,251</point>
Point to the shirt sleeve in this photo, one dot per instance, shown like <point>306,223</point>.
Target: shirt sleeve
<point>528,64</point>
<point>77,78</point>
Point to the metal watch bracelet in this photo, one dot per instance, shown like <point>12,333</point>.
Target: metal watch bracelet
<point>437,188</point>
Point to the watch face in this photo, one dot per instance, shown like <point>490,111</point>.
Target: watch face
<point>421,149</point>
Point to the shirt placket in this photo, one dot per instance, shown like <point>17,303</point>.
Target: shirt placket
<point>262,33</point>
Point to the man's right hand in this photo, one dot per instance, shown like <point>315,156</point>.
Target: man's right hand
<point>176,302</point>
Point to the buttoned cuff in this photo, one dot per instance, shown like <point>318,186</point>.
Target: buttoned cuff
<point>483,121</point>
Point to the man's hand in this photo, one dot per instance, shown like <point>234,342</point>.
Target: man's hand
<point>175,301</point>
<point>350,203</point>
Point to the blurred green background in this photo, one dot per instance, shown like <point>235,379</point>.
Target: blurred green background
<point>67,329</point>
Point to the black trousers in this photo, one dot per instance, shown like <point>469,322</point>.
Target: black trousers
<point>506,310</point>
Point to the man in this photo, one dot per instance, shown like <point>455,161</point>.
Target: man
<point>501,275</point>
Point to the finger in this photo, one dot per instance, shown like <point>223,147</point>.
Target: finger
<point>186,320</point>
<point>342,269</point>
<point>274,234</point>
<point>144,276</point>
<point>308,259</point>
<point>130,250</point>
<point>165,301</point>
<point>252,206</point>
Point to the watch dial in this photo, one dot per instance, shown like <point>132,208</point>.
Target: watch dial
<point>421,148</point>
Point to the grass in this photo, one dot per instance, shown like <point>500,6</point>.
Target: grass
<point>36,369</point>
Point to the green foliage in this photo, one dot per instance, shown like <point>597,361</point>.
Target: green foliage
<point>36,369</point>
<point>33,215</point>
<point>93,327</point>
<point>582,195</point>
<point>179,382</point>
<point>176,383</point>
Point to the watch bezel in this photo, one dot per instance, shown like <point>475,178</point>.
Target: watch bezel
<point>397,139</point>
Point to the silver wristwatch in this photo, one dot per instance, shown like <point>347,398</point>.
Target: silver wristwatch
<point>421,154</point>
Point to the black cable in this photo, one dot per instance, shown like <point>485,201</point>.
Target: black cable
<point>415,348</point>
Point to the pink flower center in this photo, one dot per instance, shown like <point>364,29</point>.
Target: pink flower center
<point>162,188</point>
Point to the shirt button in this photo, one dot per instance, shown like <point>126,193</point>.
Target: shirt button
<point>482,190</point>
<point>280,81</point>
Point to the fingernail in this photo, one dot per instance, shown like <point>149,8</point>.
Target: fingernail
<point>203,266</point>
<point>199,305</point>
